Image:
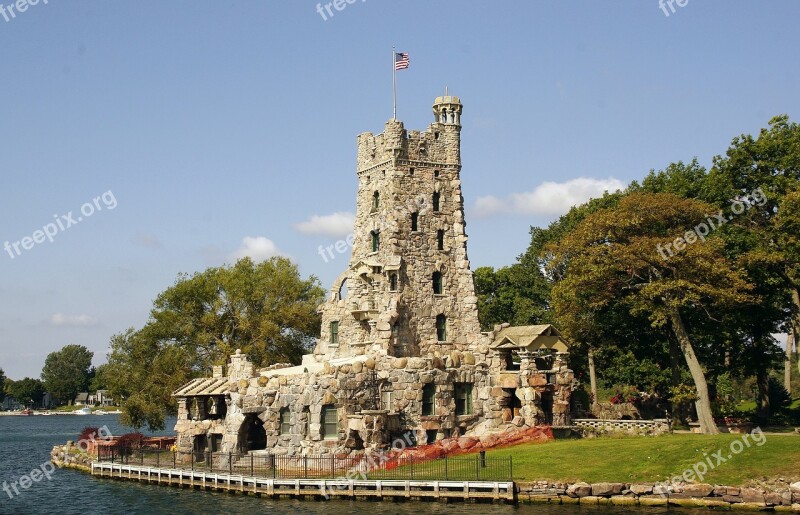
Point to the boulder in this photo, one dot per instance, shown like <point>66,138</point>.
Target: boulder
<point>752,495</point>
<point>579,490</point>
<point>773,499</point>
<point>642,489</point>
<point>607,489</point>
<point>466,443</point>
<point>698,490</point>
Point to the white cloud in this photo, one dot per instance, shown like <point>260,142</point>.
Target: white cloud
<point>62,320</point>
<point>258,248</point>
<point>334,225</point>
<point>549,198</point>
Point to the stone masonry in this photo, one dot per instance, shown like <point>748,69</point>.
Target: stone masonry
<point>401,353</point>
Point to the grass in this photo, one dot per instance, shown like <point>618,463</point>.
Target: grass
<point>651,459</point>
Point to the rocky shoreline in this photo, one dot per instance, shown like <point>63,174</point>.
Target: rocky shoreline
<point>780,496</point>
<point>69,456</point>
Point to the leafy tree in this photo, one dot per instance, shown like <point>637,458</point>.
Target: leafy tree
<point>615,255</point>
<point>518,294</point>
<point>770,165</point>
<point>28,391</point>
<point>265,309</point>
<point>2,385</point>
<point>66,372</point>
<point>99,378</point>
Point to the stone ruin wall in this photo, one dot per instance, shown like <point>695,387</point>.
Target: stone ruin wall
<point>305,395</point>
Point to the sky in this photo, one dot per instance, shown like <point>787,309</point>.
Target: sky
<point>148,139</point>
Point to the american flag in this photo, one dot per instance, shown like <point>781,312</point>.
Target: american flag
<point>401,60</point>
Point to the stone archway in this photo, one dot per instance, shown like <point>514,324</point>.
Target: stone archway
<point>252,435</point>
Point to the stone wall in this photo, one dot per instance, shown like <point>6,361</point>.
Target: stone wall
<point>782,497</point>
<point>370,419</point>
<point>594,427</point>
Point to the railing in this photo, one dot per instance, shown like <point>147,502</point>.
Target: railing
<point>374,466</point>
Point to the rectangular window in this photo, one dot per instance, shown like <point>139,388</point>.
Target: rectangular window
<point>335,332</point>
<point>414,221</point>
<point>428,399</point>
<point>386,400</point>
<point>463,395</point>
<point>330,422</point>
<point>375,241</point>
<point>441,328</point>
<point>436,201</point>
<point>216,443</point>
<point>286,423</point>
<point>440,239</point>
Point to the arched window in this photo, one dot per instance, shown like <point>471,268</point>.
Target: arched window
<point>329,419</point>
<point>438,289</point>
<point>436,201</point>
<point>440,239</point>
<point>393,282</point>
<point>286,424</point>
<point>376,198</point>
<point>414,221</point>
<point>441,328</point>
<point>376,242</point>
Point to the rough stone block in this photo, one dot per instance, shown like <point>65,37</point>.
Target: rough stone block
<point>579,490</point>
<point>698,490</point>
<point>607,489</point>
<point>652,500</point>
<point>752,495</point>
<point>642,489</point>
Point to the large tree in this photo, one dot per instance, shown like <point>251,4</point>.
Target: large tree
<point>767,168</point>
<point>66,372</point>
<point>2,385</point>
<point>619,255</point>
<point>267,310</point>
<point>28,391</point>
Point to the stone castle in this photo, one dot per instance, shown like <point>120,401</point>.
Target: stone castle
<point>401,352</point>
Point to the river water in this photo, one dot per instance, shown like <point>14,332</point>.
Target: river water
<point>25,444</point>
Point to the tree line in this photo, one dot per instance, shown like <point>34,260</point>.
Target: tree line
<point>677,284</point>
<point>66,372</point>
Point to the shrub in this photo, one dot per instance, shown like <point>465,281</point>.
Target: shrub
<point>89,433</point>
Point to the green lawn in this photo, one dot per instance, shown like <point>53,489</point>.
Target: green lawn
<point>654,458</point>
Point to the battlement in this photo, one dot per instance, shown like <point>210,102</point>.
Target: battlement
<point>439,145</point>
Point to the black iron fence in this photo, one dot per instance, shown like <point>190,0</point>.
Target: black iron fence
<point>478,467</point>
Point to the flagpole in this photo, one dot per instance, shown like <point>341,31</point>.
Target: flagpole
<point>394,86</point>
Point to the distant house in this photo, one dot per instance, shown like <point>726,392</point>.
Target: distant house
<point>103,398</point>
<point>82,399</point>
<point>48,402</point>
<point>11,404</point>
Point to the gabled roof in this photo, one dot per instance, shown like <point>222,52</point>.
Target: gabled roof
<point>530,337</point>
<point>82,397</point>
<point>203,386</point>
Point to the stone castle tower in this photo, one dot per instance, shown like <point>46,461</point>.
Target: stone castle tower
<point>400,352</point>
<point>408,290</point>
